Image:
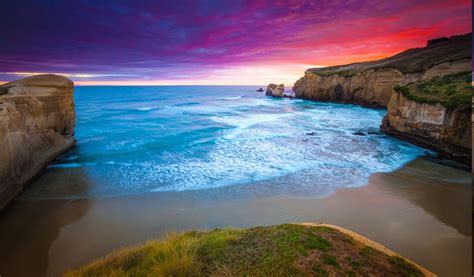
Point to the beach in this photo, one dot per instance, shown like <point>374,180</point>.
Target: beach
<point>421,211</point>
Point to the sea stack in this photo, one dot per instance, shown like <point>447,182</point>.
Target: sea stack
<point>37,120</point>
<point>275,90</point>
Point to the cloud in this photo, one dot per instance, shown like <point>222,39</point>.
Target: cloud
<point>136,41</point>
<point>69,75</point>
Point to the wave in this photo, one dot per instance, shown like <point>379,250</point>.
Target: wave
<point>230,98</point>
<point>209,144</point>
<point>145,109</point>
<point>71,165</point>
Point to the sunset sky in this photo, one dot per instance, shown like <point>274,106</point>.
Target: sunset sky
<point>212,42</point>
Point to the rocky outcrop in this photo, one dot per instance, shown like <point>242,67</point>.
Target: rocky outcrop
<point>369,88</point>
<point>275,90</point>
<point>447,131</point>
<point>37,120</point>
<point>371,83</point>
<point>443,127</point>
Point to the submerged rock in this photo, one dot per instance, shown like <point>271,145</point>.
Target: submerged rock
<point>359,134</point>
<point>260,90</point>
<point>275,90</point>
<point>37,120</point>
<point>373,133</point>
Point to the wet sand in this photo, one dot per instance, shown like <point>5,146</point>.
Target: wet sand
<point>422,211</point>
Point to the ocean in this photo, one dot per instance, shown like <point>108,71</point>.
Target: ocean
<point>134,140</point>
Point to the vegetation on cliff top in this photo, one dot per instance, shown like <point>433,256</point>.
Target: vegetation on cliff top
<point>284,250</point>
<point>453,91</point>
<point>437,51</point>
<point>3,90</point>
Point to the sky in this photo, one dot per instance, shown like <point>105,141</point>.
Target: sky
<point>212,42</point>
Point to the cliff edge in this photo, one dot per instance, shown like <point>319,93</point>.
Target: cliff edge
<point>37,120</point>
<point>435,114</point>
<point>371,83</point>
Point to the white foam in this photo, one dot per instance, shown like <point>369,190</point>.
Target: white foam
<point>230,98</point>
<point>145,109</point>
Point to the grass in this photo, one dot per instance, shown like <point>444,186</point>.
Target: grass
<point>415,60</point>
<point>283,250</point>
<point>3,90</point>
<point>405,268</point>
<point>327,73</point>
<point>453,91</point>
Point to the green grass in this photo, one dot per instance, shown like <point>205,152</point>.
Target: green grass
<point>330,260</point>
<point>327,73</point>
<point>453,91</point>
<point>415,60</point>
<point>367,251</point>
<point>3,90</point>
<point>403,267</point>
<point>283,250</point>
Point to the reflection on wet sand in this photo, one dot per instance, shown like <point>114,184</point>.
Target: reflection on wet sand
<point>434,188</point>
<point>27,231</point>
<point>421,211</point>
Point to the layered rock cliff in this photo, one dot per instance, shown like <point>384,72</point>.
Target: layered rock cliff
<point>435,114</point>
<point>37,120</point>
<point>371,83</point>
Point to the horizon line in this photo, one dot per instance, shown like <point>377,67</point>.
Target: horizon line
<point>154,85</point>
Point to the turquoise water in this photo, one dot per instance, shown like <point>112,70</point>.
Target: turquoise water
<point>173,138</point>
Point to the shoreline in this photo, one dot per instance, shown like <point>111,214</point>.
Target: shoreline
<point>421,218</point>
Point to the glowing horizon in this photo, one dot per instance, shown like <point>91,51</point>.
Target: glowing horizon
<point>240,43</point>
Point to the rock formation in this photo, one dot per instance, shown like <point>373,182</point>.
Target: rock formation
<point>275,90</point>
<point>445,129</point>
<point>439,121</point>
<point>371,83</point>
<point>37,120</point>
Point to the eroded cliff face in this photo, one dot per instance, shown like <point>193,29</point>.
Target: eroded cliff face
<point>37,120</point>
<point>369,88</point>
<point>371,83</point>
<point>372,88</point>
<point>447,131</point>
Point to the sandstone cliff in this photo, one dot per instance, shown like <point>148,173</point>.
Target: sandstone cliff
<point>435,114</point>
<point>371,83</point>
<point>37,120</point>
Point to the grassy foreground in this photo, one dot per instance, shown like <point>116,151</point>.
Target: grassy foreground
<point>283,250</point>
<point>451,90</point>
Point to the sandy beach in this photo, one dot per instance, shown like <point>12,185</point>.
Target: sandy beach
<point>421,211</point>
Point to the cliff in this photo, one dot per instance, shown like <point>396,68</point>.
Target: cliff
<point>371,83</point>
<point>435,114</point>
<point>37,120</point>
